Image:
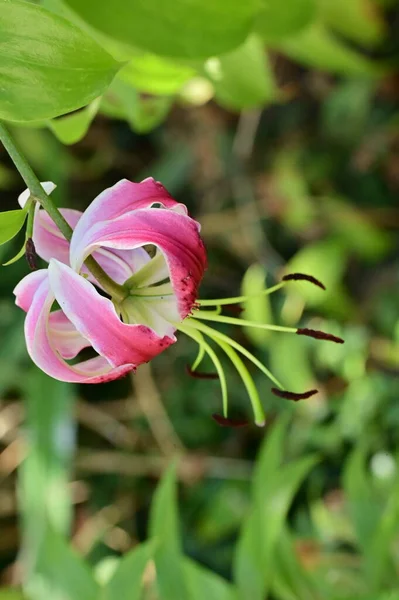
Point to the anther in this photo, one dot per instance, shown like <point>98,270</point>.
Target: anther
<point>226,422</point>
<point>292,395</point>
<point>304,277</point>
<point>320,335</point>
<point>200,375</point>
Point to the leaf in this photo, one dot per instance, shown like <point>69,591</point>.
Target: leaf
<point>72,128</point>
<point>257,307</point>
<point>143,113</point>
<point>243,78</point>
<point>164,528</point>
<point>11,222</point>
<point>274,487</point>
<point>14,259</point>
<point>204,584</point>
<point>359,20</point>
<point>316,47</point>
<point>185,28</point>
<point>255,551</point>
<point>126,582</point>
<point>155,74</point>
<point>59,573</point>
<point>48,66</point>
<point>281,19</point>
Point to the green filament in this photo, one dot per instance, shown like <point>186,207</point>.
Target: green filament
<point>239,299</point>
<point>212,316</point>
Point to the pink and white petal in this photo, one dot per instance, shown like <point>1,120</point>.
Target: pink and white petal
<point>43,354</point>
<point>48,239</point>
<point>96,319</point>
<point>120,265</point>
<point>48,187</point>
<point>123,197</point>
<point>65,339</point>
<point>176,235</point>
<point>25,290</point>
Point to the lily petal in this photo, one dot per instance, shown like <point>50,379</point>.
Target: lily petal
<point>176,235</point>
<point>96,319</point>
<point>65,338</point>
<point>48,187</point>
<point>124,197</point>
<point>43,354</point>
<point>50,243</point>
<point>27,288</point>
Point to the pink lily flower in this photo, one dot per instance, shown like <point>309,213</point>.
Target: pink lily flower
<point>161,288</point>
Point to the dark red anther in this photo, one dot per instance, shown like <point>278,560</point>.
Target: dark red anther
<point>292,395</point>
<point>320,335</point>
<point>200,375</point>
<point>304,277</point>
<point>234,308</point>
<point>30,254</point>
<point>226,422</point>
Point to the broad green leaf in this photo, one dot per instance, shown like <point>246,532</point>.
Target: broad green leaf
<point>257,308</point>
<point>316,47</point>
<point>11,594</point>
<point>59,573</point>
<point>72,128</point>
<point>143,113</point>
<point>359,20</point>
<point>185,28</point>
<point>127,580</point>
<point>204,584</point>
<point>11,221</point>
<point>242,78</point>
<point>48,66</point>
<point>164,528</point>
<point>279,19</point>
<point>156,75</point>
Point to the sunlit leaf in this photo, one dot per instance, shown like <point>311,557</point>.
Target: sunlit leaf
<point>316,47</point>
<point>15,258</point>
<point>243,78</point>
<point>48,66</point>
<point>202,583</point>
<point>11,221</point>
<point>186,28</point>
<point>155,75</point>
<point>127,579</point>
<point>359,20</point>
<point>278,19</point>
<point>72,128</point>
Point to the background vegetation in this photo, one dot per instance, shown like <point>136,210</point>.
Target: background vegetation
<point>288,156</point>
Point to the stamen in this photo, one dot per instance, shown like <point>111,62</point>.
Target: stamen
<point>292,395</point>
<point>211,316</point>
<point>226,422</point>
<point>200,375</point>
<point>320,335</point>
<point>30,254</point>
<point>239,299</point>
<point>304,277</point>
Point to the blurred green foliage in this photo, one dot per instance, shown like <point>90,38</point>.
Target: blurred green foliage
<point>306,179</point>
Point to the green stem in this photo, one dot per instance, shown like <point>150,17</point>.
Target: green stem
<point>25,170</point>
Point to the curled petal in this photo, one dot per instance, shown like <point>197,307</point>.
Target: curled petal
<point>123,197</point>
<point>27,288</point>
<point>176,235</point>
<point>48,187</point>
<point>45,356</point>
<point>65,339</point>
<point>96,319</point>
<point>50,243</point>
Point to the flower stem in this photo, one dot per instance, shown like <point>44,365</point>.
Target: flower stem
<point>25,170</point>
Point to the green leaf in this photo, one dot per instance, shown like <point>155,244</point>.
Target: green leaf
<point>274,487</point>
<point>184,28</point>
<point>143,113</point>
<point>280,19</point>
<point>59,573</point>
<point>204,584</point>
<point>316,47</point>
<point>48,66</point>
<point>11,594</point>
<point>164,528</point>
<point>243,78</point>
<point>72,128</point>
<point>19,255</point>
<point>126,582</point>
<point>156,75</point>
<point>359,20</point>
<point>11,221</point>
